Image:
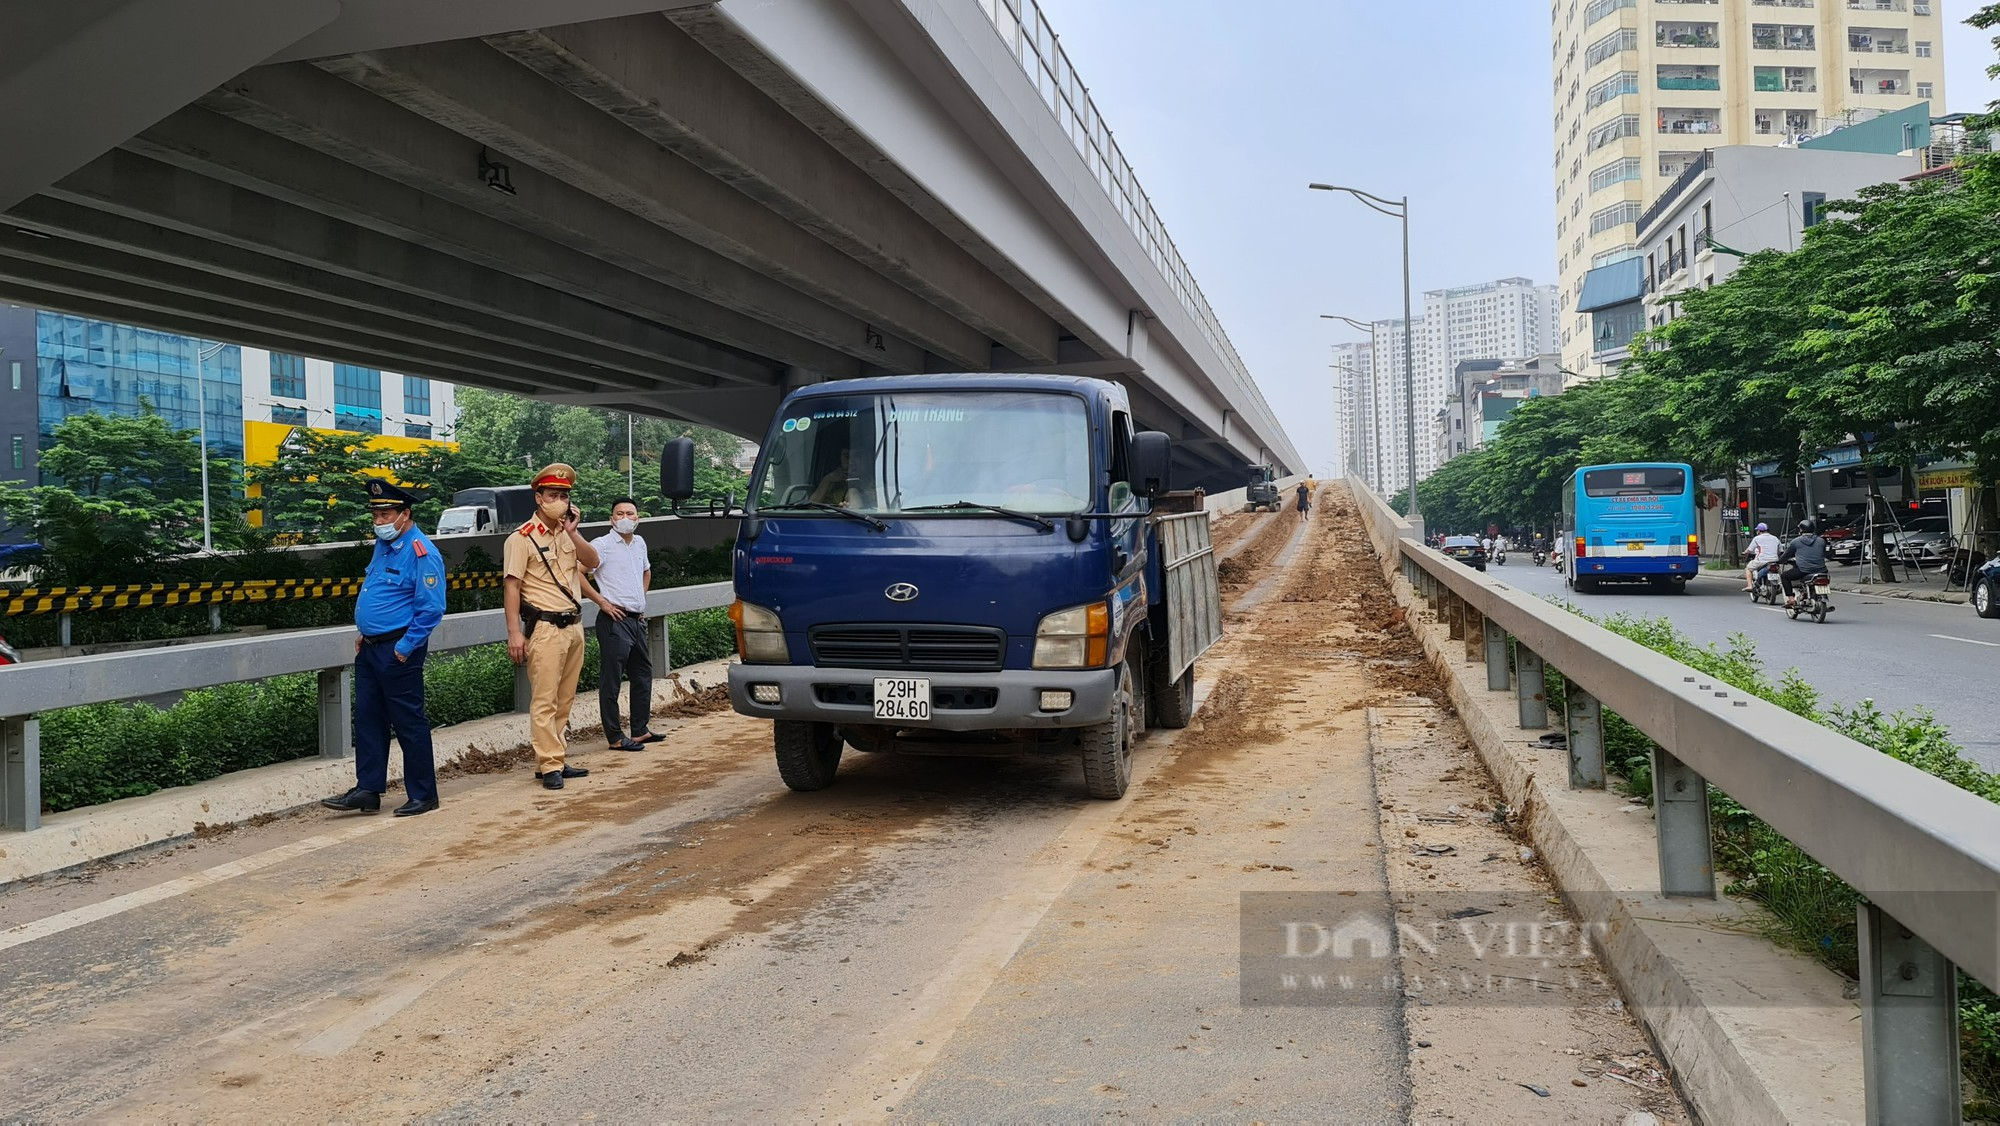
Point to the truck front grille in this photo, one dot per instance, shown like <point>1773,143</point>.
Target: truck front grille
<point>912,647</point>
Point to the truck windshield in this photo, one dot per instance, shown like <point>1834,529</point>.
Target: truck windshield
<point>914,452</point>
<point>455,520</point>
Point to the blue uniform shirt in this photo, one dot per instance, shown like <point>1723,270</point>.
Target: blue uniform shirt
<point>404,590</point>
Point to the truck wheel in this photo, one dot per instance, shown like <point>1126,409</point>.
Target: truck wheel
<point>1107,747</point>
<point>1169,703</point>
<point>808,753</point>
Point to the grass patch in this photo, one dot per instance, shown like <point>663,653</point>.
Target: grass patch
<point>1809,909</point>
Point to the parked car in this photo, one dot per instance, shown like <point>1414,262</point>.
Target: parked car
<point>1986,590</point>
<point>1849,551</point>
<point>8,654</point>
<point>1925,542</point>
<point>1466,550</point>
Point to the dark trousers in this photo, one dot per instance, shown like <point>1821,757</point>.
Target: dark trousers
<point>1791,574</point>
<point>390,694</point>
<point>622,651</point>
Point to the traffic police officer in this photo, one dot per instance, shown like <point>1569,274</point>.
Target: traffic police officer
<point>541,590</point>
<point>402,601</point>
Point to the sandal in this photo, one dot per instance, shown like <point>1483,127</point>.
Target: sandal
<point>649,737</point>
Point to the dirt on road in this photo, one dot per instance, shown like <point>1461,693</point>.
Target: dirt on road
<point>676,937</point>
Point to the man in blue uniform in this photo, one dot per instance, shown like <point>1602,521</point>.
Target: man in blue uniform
<point>402,601</point>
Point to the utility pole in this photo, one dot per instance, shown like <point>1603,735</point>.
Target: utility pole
<point>1398,209</point>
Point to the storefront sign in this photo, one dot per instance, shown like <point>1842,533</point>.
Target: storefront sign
<point>1935,479</point>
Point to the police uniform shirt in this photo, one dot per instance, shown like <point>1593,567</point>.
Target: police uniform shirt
<point>523,562</point>
<point>404,589</point>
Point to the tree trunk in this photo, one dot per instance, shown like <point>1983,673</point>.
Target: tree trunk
<point>1878,507</point>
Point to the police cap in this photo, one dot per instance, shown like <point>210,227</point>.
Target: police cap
<point>556,476</point>
<point>387,494</point>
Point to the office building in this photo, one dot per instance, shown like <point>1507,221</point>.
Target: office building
<point>1644,87</point>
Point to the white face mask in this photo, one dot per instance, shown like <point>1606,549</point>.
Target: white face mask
<point>625,525</point>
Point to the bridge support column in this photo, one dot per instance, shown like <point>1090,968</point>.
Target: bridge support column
<point>1586,738</point>
<point>1680,808</point>
<point>1499,677</point>
<point>1530,689</point>
<point>1909,1024</point>
<point>336,713</point>
<point>20,773</point>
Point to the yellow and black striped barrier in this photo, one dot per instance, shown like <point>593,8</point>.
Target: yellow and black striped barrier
<point>75,599</point>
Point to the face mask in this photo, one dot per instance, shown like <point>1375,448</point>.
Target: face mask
<point>553,513</point>
<point>625,527</point>
<point>385,532</point>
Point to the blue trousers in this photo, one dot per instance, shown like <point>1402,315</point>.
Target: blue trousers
<point>390,694</point>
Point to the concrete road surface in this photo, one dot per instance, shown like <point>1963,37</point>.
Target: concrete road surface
<point>1900,653</point>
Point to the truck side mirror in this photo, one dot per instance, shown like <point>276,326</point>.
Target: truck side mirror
<point>1152,463</point>
<point>677,470</point>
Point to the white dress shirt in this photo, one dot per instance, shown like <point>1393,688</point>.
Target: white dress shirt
<point>621,571</point>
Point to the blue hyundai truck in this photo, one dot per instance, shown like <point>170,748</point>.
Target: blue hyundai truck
<point>965,565</point>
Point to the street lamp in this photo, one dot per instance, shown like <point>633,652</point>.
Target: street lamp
<point>1398,209</point>
<point>1374,397</point>
<point>201,356</point>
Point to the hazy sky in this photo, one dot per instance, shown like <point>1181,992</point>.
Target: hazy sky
<point>1227,111</point>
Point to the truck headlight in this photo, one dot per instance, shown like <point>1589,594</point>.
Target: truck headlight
<point>760,636</point>
<point>1077,638</point>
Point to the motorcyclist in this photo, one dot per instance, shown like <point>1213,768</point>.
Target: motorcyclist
<point>1763,551</point>
<point>1486,545</point>
<point>1802,558</point>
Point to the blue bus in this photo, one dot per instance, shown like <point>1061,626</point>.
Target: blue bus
<point>1632,522</point>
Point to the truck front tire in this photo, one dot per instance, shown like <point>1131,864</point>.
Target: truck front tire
<point>1107,747</point>
<point>808,753</point>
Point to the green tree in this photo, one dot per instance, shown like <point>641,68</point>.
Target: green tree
<point>316,488</point>
<point>119,495</point>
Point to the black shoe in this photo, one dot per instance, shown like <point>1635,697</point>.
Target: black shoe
<point>628,745</point>
<point>552,780</point>
<point>575,772</point>
<point>413,807</point>
<point>357,799</point>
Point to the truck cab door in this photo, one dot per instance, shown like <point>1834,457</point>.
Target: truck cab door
<point>1128,542</point>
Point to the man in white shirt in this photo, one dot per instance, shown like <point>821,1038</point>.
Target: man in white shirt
<point>618,586</point>
<point>1763,552</point>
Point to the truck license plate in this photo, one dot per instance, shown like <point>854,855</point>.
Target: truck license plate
<point>902,697</point>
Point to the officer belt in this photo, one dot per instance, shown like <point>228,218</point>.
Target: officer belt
<point>551,618</point>
<point>393,635</point>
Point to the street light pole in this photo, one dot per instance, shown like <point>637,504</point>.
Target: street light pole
<point>201,356</point>
<point>628,453</point>
<point>1398,209</point>
<point>1374,394</point>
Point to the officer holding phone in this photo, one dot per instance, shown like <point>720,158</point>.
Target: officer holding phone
<point>541,592</point>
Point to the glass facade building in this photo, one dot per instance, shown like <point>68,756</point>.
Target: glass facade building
<point>85,365</point>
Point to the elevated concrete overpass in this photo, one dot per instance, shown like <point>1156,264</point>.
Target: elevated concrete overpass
<point>666,207</point>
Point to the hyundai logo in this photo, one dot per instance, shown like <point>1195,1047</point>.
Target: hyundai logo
<point>901,592</point>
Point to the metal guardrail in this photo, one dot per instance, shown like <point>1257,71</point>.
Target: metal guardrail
<point>27,689</point>
<point>1032,41</point>
<point>1924,853</point>
<point>135,596</point>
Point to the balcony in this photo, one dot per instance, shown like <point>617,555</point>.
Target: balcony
<point>1782,37</point>
<point>1782,3</point>
<point>1681,34</point>
<point>1786,80</point>
<point>1673,164</point>
<point>1690,121</point>
<point>1787,123</point>
<point>1878,39</point>
<point>1879,6</point>
<point>1690,78</point>
<point>1882,83</point>
<point>1704,241</point>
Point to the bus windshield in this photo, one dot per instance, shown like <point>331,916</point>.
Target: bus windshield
<point>1635,481</point>
<point>920,451</point>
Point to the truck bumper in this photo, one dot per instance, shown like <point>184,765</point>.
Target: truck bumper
<point>993,701</point>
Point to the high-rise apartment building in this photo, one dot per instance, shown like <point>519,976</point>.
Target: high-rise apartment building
<point>1502,319</point>
<point>1353,408</point>
<point>1643,87</point>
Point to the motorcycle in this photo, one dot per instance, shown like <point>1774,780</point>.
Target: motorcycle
<point>1813,600</point>
<point>1500,556</point>
<point>1559,563</point>
<point>1541,557</point>
<point>1765,588</point>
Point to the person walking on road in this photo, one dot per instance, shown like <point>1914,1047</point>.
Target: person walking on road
<point>618,586</point>
<point>541,586</point>
<point>1763,552</point>
<point>1305,497</point>
<point>401,602</point>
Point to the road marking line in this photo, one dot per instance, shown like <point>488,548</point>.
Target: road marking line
<point>117,905</point>
<point>342,1034</point>
<point>1967,640</point>
<point>914,1040</point>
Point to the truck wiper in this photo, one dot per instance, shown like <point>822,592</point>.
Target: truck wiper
<point>822,506</point>
<point>1046,524</point>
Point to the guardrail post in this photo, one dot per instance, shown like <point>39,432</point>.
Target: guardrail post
<point>1680,807</point>
<point>1499,678</point>
<point>20,773</point>
<point>1530,688</point>
<point>336,713</point>
<point>524,693</point>
<point>1454,615</point>
<point>657,646</point>
<point>1475,634</point>
<point>1909,1024</point>
<point>63,630</point>
<point>1586,738</point>
<point>215,617</point>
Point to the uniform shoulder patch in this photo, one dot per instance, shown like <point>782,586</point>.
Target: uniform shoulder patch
<point>430,580</point>
<point>422,550</point>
